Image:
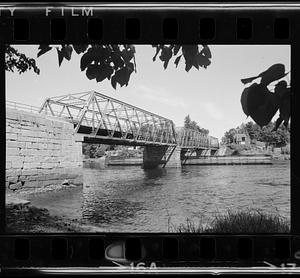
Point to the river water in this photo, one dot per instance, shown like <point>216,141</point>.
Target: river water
<point>130,199</point>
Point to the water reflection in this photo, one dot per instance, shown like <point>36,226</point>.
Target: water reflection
<point>154,174</point>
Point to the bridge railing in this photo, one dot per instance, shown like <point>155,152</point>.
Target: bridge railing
<point>22,106</point>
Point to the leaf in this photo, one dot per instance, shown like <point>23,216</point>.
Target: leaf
<point>80,48</point>
<point>188,66</point>
<point>166,64</point>
<point>67,52</point>
<point>60,56</point>
<point>261,104</point>
<point>104,71</point>
<point>122,76</point>
<point>203,61</point>
<point>113,82</point>
<point>101,52</point>
<point>117,60</point>
<point>157,51</point>
<point>128,53</point>
<point>130,67</point>
<point>87,58</point>
<point>195,64</point>
<point>43,49</point>
<point>244,101</point>
<point>92,71</point>
<point>206,51</point>
<point>176,49</point>
<point>190,51</point>
<point>166,54</point>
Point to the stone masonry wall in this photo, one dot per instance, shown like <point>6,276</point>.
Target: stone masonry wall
<point>40,151</point>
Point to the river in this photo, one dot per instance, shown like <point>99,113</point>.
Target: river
<point>130,199</point>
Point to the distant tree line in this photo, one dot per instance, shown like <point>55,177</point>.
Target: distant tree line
<point>188,123</point>
<point>279,138</point>
<point>99,150</point>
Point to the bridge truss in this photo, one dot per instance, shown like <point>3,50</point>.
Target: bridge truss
<point>189,138</point>
<point>110,121</point>
<point>102,117</point>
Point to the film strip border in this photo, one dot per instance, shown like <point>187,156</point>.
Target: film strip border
<point>96,25</point>
<point>162,250</point>
<point>211,26</point>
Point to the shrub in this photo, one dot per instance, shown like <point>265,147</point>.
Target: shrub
<point>250,221</point>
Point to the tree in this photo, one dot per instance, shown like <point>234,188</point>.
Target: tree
<point>228,137</point>
<point>94,150</point>
<point>18,61</point>
<point>117,62</point>
<point>279,138</point>
<point>188,123</point>
<point>253,130</point>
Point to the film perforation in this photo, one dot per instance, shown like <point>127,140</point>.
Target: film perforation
<point>22,249</point>
<point>245,248</point>
<point>133,249</point>
<point>281,28</point>
<point>169,31</point>
<point>170,248</point>
<point>244,28</point>
<point>208,248</point>
<point>96,248</point>
<point>21,29</point>
<point>91,251</point>
<point>207,28</point>
<point>170,28</point>
<point>58,29</point>
<point>132,28</point>
<point>95,28</point>
<point>282,248</point>
<point>59,249</point>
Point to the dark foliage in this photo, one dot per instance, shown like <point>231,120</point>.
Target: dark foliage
<point>117,62</point>
<point>18,61</point>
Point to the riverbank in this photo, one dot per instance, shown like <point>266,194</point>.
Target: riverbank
<point>30,219</point>
<point>214,160</point>
<point>25,218</point>
<point>22,217</point>
<point>29,191</point>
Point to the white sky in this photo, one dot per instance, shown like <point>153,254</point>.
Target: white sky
<point>211,96</point>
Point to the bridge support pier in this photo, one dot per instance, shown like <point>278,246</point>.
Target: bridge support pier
<point>213,152</point>
<point>175,159</point>
<point>152,156</point>
<point>199,152</point>
<point>157,155</point>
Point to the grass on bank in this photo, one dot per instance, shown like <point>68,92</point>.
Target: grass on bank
<point>250,221</point>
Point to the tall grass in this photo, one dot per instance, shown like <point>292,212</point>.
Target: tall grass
<point>249,221</point>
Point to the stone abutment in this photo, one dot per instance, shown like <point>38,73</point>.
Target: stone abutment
<point>40,151</point>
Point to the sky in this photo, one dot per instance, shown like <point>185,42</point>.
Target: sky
<point>210,96</point>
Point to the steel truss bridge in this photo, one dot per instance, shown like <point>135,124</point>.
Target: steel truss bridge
<point>103,119</point>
